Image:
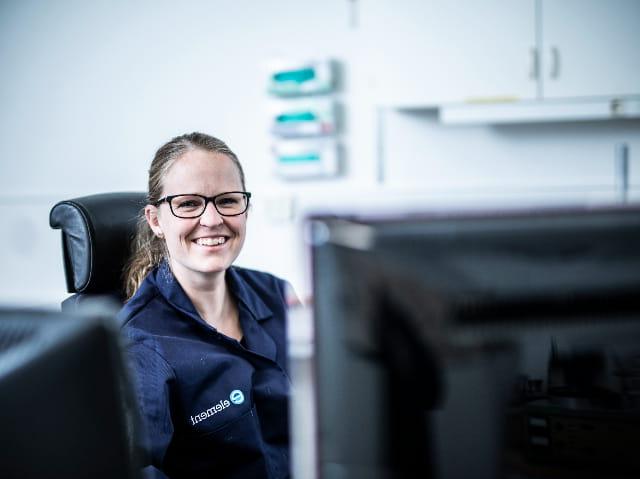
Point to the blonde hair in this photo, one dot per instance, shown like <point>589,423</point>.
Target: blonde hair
<point>148,250</point>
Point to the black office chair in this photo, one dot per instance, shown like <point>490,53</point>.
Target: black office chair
<point>96,237</point>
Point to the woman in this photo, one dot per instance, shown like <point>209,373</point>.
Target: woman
<point>206,339</point>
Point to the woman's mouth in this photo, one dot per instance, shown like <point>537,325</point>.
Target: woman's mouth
<point>211,241</point>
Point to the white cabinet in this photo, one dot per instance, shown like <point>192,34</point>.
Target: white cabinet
<point>572,160</point>
<point>426,52</point>
<point>561,62</point>
<point>430,52</point>
<point>589,48</point>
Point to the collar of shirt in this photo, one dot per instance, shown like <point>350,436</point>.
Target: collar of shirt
<point>251,307</point>
<point>173,292</point>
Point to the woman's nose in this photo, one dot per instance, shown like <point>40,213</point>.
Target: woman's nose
<point>210,217</point>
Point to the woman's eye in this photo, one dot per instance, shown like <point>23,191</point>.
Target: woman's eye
<point>189,204</point>
<point>227,202</point>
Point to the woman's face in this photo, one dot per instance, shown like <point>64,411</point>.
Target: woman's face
<point>194,252</point>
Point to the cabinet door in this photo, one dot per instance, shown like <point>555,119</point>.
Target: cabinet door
<point>590,48</point>
<point>425,52</point>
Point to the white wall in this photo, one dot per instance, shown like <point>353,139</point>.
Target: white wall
<point>89,90</point>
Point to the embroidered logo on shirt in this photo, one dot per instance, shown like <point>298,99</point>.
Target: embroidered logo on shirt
<point>236,397</point>
<point>210,412</point>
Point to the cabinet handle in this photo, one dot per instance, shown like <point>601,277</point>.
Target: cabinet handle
<point>555,63</point>
<point>534,63</point>
<point>622,170</point>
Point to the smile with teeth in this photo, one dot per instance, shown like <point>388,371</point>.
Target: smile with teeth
<point>211,241</point>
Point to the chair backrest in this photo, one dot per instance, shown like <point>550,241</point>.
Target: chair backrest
<point>96,239</point>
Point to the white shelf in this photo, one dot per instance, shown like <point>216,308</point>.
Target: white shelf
<point>540,111</point>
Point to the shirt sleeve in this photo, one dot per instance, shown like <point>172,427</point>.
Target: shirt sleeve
<point>152,378</point>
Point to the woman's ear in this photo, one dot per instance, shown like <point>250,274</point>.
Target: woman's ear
<point>151,214</point>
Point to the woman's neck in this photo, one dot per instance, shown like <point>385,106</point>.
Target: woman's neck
<point>213,301</point>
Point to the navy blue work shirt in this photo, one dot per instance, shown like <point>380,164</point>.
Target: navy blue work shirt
<point>211,406</point>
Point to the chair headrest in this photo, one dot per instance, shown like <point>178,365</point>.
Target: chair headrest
<point>96,237</point>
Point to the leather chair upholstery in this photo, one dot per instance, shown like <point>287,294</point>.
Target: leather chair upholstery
<point>96,237</point>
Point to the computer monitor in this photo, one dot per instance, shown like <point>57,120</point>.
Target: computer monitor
<point>65,403</point>
<point>480,345</point>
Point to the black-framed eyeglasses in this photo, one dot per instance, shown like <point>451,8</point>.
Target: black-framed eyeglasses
<point>231,203</point>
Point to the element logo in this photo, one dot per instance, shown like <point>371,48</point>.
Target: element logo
<point>236,396</point>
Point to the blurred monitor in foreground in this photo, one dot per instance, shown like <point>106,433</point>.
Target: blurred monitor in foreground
<point>499,345</point>
<point>64,398</point>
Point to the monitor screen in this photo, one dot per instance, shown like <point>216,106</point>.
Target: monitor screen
<point>65,403</point>
<point>495,345</point>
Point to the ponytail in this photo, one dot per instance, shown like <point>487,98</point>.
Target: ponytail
<point>147,252</point>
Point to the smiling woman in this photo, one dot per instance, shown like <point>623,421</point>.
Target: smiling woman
<point>200,246</point>
<point>204,335</point>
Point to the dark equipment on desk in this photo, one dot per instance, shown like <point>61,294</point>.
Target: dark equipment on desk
<point>478,345</point>
<point>66,409</point>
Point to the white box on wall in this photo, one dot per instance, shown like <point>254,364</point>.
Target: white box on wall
<point>307,158</point>
<point>289,78</point>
